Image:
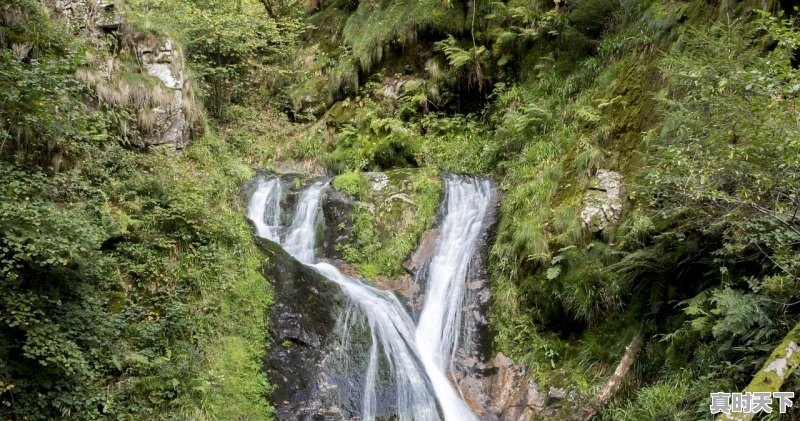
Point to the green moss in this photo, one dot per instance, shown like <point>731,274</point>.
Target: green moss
<point>235,358</point>
<point>387,223</point>
<point>785,358</point>
<point>352,183</point>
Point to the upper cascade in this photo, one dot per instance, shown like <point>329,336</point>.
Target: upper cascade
<point>407,361</point>
<point>438,330</point>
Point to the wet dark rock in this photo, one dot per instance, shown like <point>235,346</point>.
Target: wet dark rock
<point>302,321</point>
<point>337,208</point>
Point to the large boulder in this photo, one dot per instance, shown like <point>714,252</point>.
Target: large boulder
<point>302,328</point>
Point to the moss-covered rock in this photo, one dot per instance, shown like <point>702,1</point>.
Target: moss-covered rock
<point>374,220</point>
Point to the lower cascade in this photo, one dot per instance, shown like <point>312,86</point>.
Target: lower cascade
<point>405,368</point>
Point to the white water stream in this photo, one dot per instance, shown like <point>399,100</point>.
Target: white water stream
<point>439,325</point>
<point>264,208</point>
<point>417,357</point>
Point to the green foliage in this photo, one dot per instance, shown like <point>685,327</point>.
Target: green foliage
<point>387,224</point>
<point>712,203</point>
<point>375,142</point>
<point>352,183</point>
<point>470,62</point>
<point>36,71</point>
<point>112,274</point>
<point>670,399</point>
<point>120,272</point>
<point>457,144</point>
<point>375,26</point>
<point>231,57</point>
<point>130,289</point>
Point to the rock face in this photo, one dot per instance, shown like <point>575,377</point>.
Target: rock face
<point>602,202</point>
<point>163,105</point>
<point>511,395</point>
<point>302,325</point>
<point>301,167</point>
<point>165,63</point>
<point>89,17</point>
<point>336,210</point>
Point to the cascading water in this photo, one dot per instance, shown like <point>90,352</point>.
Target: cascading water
<point>264,208</point>
<point>415,358</point>
<point>299,241</point>
<point>439,324</point>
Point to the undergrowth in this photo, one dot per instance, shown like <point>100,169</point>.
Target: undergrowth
<point>387,223</point>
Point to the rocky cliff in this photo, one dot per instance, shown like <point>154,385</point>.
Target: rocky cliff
<point>139,70</point>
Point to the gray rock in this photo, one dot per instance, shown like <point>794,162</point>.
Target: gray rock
<point>171,125</point>
<point>302,322</point>
<point>93,19</point>
<point>165,63</point>
<point>602,202</point>
<point>106,16</point>
<point>301,167</point>
<point>557,393</point>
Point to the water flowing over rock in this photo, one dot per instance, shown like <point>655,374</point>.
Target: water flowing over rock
<point>443,325</point>
<point>302,322</point>
<point>373,365</point>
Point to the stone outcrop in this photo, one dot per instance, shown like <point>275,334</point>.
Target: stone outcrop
<point>602,202</point>
<point>165,63</point>
<point>503,391</point>
<point>163,105</point>
<point>90,18</point>
<point>302,324</point>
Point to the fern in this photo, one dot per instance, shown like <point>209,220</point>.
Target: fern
<point>469,62</point>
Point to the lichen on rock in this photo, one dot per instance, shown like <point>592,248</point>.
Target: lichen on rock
<point>166,64</point>
<point>602,201</point>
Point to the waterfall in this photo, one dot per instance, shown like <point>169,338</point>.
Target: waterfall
<point>439,326</point>
<point>300,240</point>
<point>415,357</point>
<point>264,208</point>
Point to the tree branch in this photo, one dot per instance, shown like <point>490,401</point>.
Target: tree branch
<point>785,358</point>
<point>613,384</point>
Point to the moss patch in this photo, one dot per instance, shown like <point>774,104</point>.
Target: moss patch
<point>394,209</point>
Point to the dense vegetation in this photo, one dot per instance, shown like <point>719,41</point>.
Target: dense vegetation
<point>131,288</point>
<point>128,275</point>
<point>693,103</point>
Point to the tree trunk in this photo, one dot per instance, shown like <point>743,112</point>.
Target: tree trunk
<point>615,381</point>
<point>270,11</point>
<point>781,364</point>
